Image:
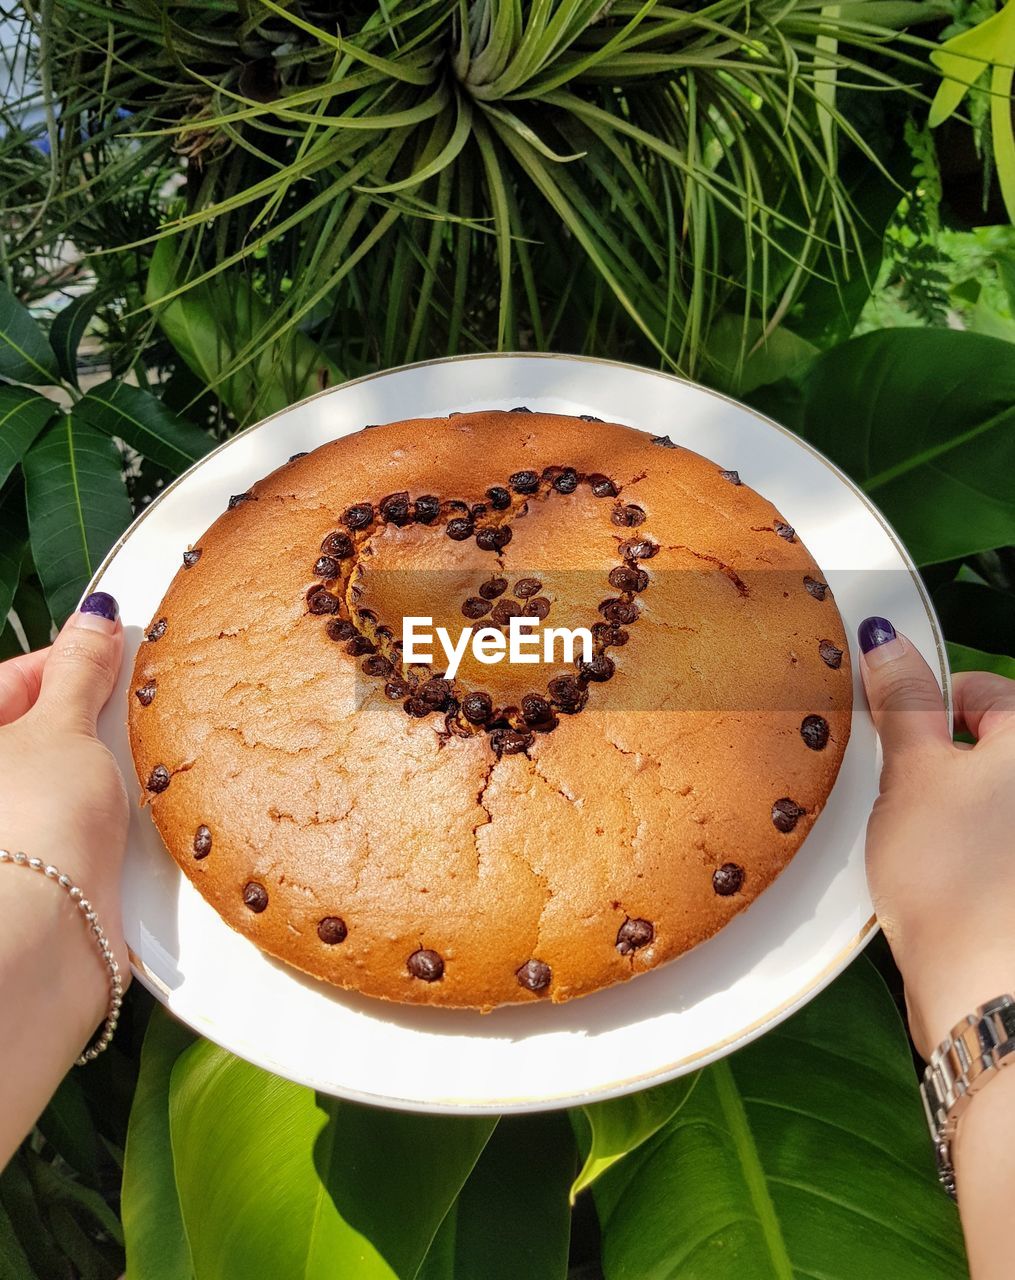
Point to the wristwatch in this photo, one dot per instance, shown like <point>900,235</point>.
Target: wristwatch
<point>978,1047</point>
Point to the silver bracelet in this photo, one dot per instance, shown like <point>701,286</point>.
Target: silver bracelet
<point>85,907</point>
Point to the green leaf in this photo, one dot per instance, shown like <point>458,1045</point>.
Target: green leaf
<point>25,1240</point>
<point>212,323</point>
<point>739,357</point>
<point>805,1154</point>
<point>924,420</point>
<point>31,608</point>
<point>66,332</point>
<point>13,537</point>
<point>143,421</point>
<point>512,1218</point>
<point>976,615</point>
<point>962,658</point>
<point>274,1181</point>
<point>619,1126</point>
<point>25,355</point>
<point>77,508</point>
<point>68,1126</point>
<point>149,1205</point>
<point>23,414</point>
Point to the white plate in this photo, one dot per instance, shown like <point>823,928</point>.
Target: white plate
<point>771,959</point>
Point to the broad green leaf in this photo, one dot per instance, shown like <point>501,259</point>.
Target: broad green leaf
<point>739,357</point>
<point>962,658</point>
<point>976,615</point>
<point>68,1126</point>
<point>23,414</point>
<point>143,421</point>
<point>924,420</point>
<point>25,355</point>
<point>13,536</point>
<point>77,507</point>
<point>212,323</point>
<point>31,607</point>
<point>615,1128</point>
<point>149,1204</point>
<point>66,332</point>
<point>274,1181</point>
<point>803,1155</point>
<point>512,1218</point>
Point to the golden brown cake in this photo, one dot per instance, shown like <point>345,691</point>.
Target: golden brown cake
<point>520,832</point>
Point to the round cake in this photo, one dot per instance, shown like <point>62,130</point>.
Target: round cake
<point>520,831</point>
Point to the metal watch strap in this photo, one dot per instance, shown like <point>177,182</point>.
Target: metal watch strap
<point>977,1048</point>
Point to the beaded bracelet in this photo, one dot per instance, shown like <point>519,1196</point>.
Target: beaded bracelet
<point>85,907</point>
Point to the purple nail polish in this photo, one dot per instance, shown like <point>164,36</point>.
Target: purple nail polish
<point>102,603</point>
<point>873,632</point>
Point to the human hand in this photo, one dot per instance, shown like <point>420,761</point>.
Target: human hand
<point>941,839</point>
<point>62,797</point>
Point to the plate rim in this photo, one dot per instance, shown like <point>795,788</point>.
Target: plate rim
<point>681,1066</point>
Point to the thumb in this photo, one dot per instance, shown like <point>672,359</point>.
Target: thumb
<point>903,695</point>
<point>83,663</point>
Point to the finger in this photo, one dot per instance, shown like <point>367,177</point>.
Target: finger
<point>83,664</point>
<point>20,681</point>
<point>983,702</point>
<point>904,697</point>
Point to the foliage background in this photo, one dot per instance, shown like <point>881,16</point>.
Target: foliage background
<point>211,210</point>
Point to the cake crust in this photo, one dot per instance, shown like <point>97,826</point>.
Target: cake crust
<point>384,830</point>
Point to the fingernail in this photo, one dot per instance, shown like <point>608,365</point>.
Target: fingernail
<point>874,632</point>
<point>97,612</point>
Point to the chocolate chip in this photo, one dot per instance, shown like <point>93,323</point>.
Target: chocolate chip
<point>602,486</point>
<point>526,587</point>
<point>158,779</point>
<point>626,577</point>
<point>504,611</point>
<point>146,693</point>
<point>477,509</point>
<point>396,688</point>
<point>817,589</point>
<point>359,645</point>
<point>417,708</point>
<point>294,456</point>
<point>358,516</point>
<point>600,669</point>
<point>628,517</point>
<point>638,548</point>
<point>426,965</point>
<point>566,481</point>
<point>459,528</point>
<point>633,935</point>
<point>493,539</point>
<point>537,607</point>
<point>623,612</point>
<point>477,708</point>
<point>521,408</point>
<point>509,742</point>
<point>158,630</point>
<point>395,508</point>
<point>426,509</point>
<point>785,531</point>
<point>589,417</point>
<point>606,634</point>
<point>326,567</point>
<point>785,813</point>
<point>535,709</point>
<point>436,692</point>
<point>237,498</point>
<point>331,930</point>
<point>830,654</point>
<point>499,497</point>
<point>255,896</point>
<point>734,478</point>
<point>665,442</point>
<point>366,615</point>
<point>321,601</point>
<point>339,629</point>
<point>494,588</point>
<point>524,481</point>
<point>566,691</point>
<point>339,545</point>
<point>202,842</point>
<point>814,731</point>
<point>191,557</point>
<point>728,879</point>
<point>534,975</point>
<point>476,607</point>
<point>375,665</point>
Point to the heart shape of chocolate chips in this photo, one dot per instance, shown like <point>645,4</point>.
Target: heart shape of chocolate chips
<point>509,724</point>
